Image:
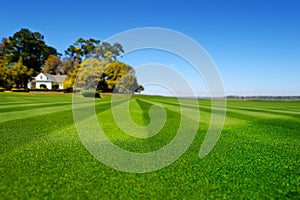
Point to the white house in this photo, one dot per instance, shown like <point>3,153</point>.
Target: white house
<point>43,80</point>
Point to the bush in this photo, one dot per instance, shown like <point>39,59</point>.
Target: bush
<point>39,89</point>
<point>69,89</point>
<point>19,90</point>
<point>55,86</point>
<point>88,93</point>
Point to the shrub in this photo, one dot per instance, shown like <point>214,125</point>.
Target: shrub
<point>39,89</point>
<point>76,90</point>
<point>88,93</point>
<point>55,86</point>
<point>69,89</point>
<point>19,90</point>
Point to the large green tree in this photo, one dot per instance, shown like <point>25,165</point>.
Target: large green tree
<point>92,48</point>
<point>75,53</point>
<point>29,47</point>
<point>81,49</point>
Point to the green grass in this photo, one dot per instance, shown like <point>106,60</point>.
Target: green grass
<point>42,157</point>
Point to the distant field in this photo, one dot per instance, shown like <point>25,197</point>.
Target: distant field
<point>42,157</point>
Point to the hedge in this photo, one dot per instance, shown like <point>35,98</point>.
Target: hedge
<point>19,90</point>
<point>88,93</point>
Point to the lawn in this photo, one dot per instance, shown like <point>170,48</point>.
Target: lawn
<point>42,157</point>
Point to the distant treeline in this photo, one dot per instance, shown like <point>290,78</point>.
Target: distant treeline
<point>264,97</point>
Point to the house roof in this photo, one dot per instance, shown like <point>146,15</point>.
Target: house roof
<point>52,78</point>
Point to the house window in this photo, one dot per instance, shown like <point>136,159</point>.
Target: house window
<point>41,77</point>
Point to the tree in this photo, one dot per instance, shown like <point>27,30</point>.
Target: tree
<point>82,49</point>
<point>53,65</point>
<point>108,77</point>
<point>79,50</point>
<point>68,65</point>
<point>2,47</point>
<point>5,74</point>
<point>21,74</point>
<point>70,68</point>
<point>127,84</point>
<point>86,49</point>
<point>99,67</point>
<point>118,77</point>
<point>92,48</point>
<point>90,73</point>
<point>29,47</point>
<point>113,73</point>
<point>106,50</point>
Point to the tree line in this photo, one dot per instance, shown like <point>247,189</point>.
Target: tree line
<point>25,54</point>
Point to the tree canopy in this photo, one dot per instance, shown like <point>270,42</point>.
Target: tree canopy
<point>90,73</point>
<point>21,74</point>
<point>108,77</point>
<point>29,47</point>
<point>53,65</point>
<point>5,74</point>
<point>113,73</point>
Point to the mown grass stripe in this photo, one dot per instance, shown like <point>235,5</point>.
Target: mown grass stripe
<point>33,112</point>
<point>38,111</point>
<point>30,107</point>
<point>275,111</point>
<point>25,104</point>
<point>172,107</point>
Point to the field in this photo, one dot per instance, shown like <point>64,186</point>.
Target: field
<point>42,157</point>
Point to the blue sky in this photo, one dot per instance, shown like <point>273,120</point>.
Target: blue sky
<point>254,43</point>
